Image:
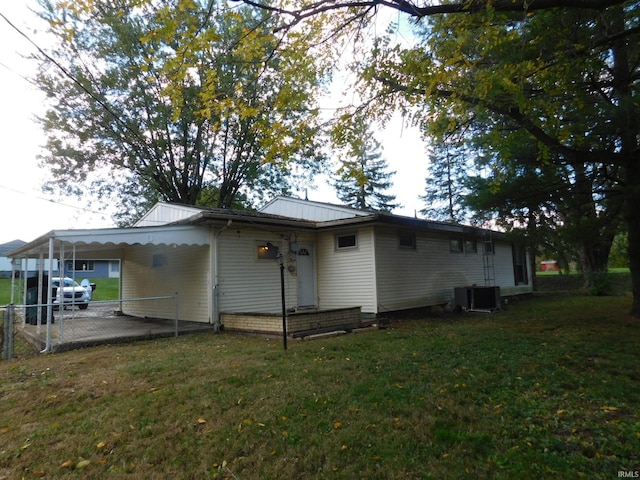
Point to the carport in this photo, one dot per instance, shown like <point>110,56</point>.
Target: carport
<point>112,243</point>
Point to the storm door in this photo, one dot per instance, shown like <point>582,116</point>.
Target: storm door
<point>306,276</point>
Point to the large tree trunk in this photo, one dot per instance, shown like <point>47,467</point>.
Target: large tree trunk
<point>629,126</point>
<point>594,260</point>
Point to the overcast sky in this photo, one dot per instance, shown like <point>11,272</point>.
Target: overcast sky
<point>28,213</point>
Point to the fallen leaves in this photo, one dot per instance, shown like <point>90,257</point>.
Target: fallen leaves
<point>81,464</point>
<point>608,408</point>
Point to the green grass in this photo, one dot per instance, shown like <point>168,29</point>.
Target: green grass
<point>5,291</point>
<point>574,272</point>
<point>547,388</point>
<point>106,289</point>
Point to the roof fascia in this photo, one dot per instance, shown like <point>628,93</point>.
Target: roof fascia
<point>260,219</point>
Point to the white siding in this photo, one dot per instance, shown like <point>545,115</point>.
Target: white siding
<point>314,211</point>
<point>346,277</point>
<point>425,276</point>
<point>503,261</point>
<point>183,269</point>
<point>163,213</point>
<point>247,284</point>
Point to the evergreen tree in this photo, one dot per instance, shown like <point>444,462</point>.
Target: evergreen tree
<point>445,192</point>
<point>363,178</point>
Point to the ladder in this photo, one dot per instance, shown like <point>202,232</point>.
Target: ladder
<point>488,257</point>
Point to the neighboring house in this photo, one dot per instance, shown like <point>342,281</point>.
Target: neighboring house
<point>336,261</point>
<point>83,268</point>
<point>92,268</point>
<point>549,266</point>
<point>5,263</point>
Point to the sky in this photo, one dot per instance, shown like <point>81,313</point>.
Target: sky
<point>27,212</point>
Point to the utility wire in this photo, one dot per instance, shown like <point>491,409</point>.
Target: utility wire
<point>66,73</point>
<point>50,200</point>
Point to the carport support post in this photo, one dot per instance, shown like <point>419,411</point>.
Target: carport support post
<point>49,297</point>
<point>284,310</point>
<point>7,351</point>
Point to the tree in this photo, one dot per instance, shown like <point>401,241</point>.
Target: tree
<point>445,191</point>
<point>174,101</point>
<point>566,72</point>
<point>507,76</point>
<point>618,257</point>
<point>363,176</point>
<point>552,205</point>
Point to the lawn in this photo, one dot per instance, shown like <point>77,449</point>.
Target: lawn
<point>547,388</point>
<point>106,289</point>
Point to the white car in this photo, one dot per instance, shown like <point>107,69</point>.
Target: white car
<point>72,292</point>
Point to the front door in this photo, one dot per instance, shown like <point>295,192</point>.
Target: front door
<point>306,276</point>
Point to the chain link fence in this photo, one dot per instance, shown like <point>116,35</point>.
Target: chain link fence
<point>52,328</point>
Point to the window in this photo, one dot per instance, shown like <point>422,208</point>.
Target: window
<point>488,247</point>
<point>346,241</point>
<point>158,260</point>
<point>407,240</point>
<point>455,245</point>
<point>470,245</point>
<point>81,266</point>
<point>268,252</point>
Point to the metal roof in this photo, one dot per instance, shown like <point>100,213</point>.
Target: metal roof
<point>191,231</point>
<point>105,238</point>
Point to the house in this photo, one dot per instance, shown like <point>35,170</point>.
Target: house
<point>7,266</point>
<point>93,268</point>
<point>549,266</point>
<point>339,264</point>
<point>86,268</point>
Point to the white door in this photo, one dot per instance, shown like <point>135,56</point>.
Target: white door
<point>306,276</point>
<point>114,269</point>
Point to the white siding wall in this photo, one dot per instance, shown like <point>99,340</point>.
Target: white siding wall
<point>163,213</point>
<point>319,212</point>
<point>428,275</point>
<point>184,269</point>
<point>247,284</point>
<point>503,261</point>
<point>346,278</point>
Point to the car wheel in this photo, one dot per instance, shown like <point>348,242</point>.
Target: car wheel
<point>83,306</point>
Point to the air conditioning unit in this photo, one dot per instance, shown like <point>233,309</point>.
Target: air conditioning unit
<point>477,299</point>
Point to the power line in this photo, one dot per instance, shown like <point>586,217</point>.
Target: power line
<point>50,200</point>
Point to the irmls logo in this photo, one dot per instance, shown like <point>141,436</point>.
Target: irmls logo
<point>628,474</point>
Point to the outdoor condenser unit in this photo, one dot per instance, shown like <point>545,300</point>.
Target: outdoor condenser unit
<point>478,299</point>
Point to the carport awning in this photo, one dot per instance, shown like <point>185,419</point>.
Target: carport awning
<point>98,239</point>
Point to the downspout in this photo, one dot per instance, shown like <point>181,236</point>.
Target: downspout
<point>216,279</point>
<point>24,272</point>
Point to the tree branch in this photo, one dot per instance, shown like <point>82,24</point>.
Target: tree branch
<point>413,9</point>
<point>513,112</point>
